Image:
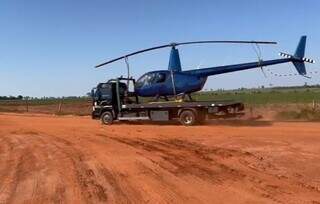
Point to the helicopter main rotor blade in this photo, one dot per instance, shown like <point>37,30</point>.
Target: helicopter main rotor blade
<point>227,41</point>
<point>133,53</point>
<point>184,43</point>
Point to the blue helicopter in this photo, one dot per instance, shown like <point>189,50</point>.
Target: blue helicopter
<point>174,81</point>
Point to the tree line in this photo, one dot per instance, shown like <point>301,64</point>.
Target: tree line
<point>19,97</point>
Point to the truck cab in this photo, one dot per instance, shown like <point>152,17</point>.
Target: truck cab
<point>110,96</point>
<point>107,94</point>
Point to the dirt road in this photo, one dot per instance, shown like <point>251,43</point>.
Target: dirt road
<point>48,159</point>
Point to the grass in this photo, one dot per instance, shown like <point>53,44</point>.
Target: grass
<point>263,97</point>
<point>75,106</point>
<point>44,102</point>
<point>306,114</point>
<point>247,96</point>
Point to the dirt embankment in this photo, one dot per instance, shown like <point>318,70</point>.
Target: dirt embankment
<point>48,159</point>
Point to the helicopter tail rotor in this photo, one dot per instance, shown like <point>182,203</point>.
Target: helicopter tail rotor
<point>298,58</point>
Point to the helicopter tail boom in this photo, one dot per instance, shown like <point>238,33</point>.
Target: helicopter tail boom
<point>297,59</point>
<point>205,72</point>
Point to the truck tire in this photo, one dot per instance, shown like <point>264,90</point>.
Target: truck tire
<point>187,118</point>
<point>106,118</point>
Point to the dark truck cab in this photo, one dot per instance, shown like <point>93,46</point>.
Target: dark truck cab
<point>113,101</point>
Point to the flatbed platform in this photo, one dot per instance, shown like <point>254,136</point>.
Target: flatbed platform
<point>168,110</point>
<point>174,104</point>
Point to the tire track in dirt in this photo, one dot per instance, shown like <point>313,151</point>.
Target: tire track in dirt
<point>122,189</point>
<point>95,178</point>
<point>90,187</point>
<point>26,175</point>
<point>26,178</point>
<point>166,186</point>
<point>183,158</point>
<point>74,160</point>
<point>11,166</point>
<point>96,182</point>
<point>19,166</point>
<point>163,190</point>
<point>30,155</point>
<point>216,165</point>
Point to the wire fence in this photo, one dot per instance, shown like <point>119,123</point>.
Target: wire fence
<point>84,106</point>
<point>50,106</point>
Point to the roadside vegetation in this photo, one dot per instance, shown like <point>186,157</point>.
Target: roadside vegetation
<point>285,103</point>
<point>304,114</point>
<point>265,96</point>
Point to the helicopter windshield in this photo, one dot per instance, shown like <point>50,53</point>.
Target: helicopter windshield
<point>151,78</point>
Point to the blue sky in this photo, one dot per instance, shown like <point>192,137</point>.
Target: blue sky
<point>49,48</point>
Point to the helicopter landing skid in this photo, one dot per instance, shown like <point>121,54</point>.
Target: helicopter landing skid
<point>189,97</point>
<point>158,98</point>
<point>181,97</point>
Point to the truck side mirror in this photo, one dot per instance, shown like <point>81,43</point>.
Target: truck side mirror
<point>94,94</point>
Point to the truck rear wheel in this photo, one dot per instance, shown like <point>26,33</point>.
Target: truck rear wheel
<point>106,118</point>
<point>187,118</point>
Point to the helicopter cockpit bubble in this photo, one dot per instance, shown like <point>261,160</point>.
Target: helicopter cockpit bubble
<point>151,78</point>
<point>160,77</point>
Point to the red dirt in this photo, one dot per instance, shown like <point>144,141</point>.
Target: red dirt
<point>48,159</point>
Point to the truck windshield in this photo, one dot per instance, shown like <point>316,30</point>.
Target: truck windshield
<point>103,92</point>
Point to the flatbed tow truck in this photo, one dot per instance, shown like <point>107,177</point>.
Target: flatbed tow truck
<point>112,101</point>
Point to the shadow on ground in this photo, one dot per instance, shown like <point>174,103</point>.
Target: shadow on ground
<point>250,123</point>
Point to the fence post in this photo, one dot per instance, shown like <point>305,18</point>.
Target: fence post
<point>60,106</point>
<point>27,105</point>
<point>313,105</point>
<point>251,111</point>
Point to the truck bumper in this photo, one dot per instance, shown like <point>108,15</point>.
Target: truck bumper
<point>95,114</point>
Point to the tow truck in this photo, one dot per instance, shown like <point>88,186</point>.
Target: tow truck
<point>112,101</point>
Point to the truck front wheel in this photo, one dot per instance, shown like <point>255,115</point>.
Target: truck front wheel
<point>107,118</point>
<point>187,118</point>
